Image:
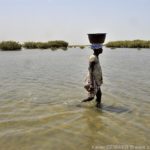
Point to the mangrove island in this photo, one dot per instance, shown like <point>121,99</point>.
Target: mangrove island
<point>12,45</point>
<point>128,44</point>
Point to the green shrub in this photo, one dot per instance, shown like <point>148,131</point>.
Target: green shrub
<point>42,45</point>
<point>10,45</point>
<point>45,45</point>
<point>81,47</point>
<point>30,45</point>
<point>128,44</point>
<point>57,44</point>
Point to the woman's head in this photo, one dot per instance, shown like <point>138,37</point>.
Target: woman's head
<point>98,51</point>
<point>97,48</point>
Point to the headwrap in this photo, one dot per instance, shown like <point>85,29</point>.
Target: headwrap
<point>96,46</point>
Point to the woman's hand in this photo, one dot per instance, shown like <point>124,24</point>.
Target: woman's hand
<point>91,87</point>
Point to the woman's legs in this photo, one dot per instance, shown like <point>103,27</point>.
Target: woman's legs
<point>98,97</point>
<point>91,97</point>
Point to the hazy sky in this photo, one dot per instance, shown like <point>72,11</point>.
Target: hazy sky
<point>71,20</point>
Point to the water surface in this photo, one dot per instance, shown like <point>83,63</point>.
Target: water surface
<point>41,90</point>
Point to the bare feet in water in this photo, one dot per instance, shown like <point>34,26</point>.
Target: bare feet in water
<point>98,105</point>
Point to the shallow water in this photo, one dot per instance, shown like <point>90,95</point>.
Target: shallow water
<point>41,90</point>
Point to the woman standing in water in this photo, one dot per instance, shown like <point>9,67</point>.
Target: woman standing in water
<point>94,78</point>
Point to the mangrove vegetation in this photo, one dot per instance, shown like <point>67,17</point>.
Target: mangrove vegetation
<point>45,45</point>
<point>12,45</point>
<point>59,44</point>
<point>77,46</point>
<point>128,44</point>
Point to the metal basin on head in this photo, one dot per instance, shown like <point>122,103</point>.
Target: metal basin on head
<point>97,37</point>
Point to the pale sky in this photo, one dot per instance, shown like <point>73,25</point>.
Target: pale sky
<point>71,20</point>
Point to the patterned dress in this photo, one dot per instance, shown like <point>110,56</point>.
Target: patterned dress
<point>97,77</point>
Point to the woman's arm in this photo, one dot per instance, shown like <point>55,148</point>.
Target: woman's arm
<point>91,69</point>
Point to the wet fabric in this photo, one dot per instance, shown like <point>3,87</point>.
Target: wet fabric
<point>96,46</point>
<point>97,77</point>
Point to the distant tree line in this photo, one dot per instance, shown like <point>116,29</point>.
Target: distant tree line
<point>12,45</point>
<point>128,44</point>
<point>77,46</point>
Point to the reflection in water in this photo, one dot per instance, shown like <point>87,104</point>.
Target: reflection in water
<point>116,109</point>
<point>41,91</point>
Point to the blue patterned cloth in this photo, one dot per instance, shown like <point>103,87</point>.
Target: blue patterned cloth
<point>96,46</point>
